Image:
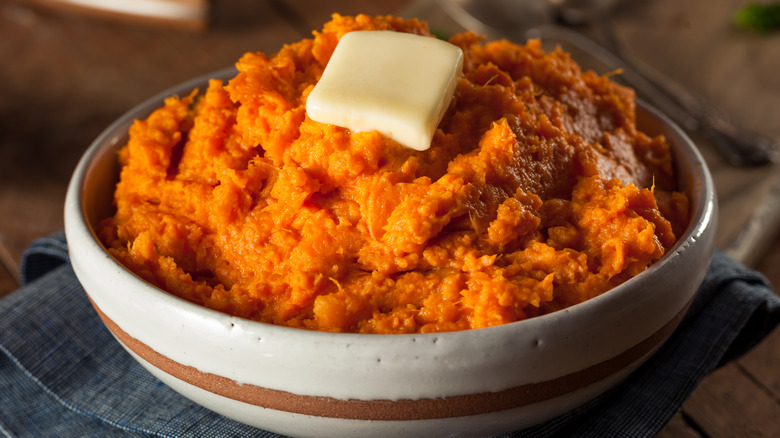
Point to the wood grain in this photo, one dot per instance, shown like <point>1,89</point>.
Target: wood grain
<point>679,427</point>
<point>727,405</point>
<point>8,280</point>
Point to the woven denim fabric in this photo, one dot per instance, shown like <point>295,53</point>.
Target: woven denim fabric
<point>62,374</point>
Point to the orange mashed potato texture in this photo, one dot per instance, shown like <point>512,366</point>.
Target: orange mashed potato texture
<point>537,193</point>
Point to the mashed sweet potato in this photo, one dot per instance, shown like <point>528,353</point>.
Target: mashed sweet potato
<point>538,193</point>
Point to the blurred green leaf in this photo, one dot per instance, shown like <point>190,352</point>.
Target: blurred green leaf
<point>761,18</point>
<point>440,35</point>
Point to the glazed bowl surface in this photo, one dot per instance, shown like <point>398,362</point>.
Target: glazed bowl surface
<point>306,383</point>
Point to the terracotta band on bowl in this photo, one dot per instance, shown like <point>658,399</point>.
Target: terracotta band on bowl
<point>398,410</point>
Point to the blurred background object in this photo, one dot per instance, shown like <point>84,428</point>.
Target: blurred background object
<point>761,18</point>
<point>184,14</point>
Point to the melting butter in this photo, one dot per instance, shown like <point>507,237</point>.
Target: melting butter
<point>398,84</point>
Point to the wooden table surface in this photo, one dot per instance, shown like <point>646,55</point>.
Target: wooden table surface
<point>66,76</point>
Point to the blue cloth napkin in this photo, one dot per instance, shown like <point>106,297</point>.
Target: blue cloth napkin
<point>62,374</point>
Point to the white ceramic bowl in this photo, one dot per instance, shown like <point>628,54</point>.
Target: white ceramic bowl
<point>307,383</point>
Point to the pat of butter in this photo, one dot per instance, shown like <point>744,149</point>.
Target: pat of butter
<point>396,83</point>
